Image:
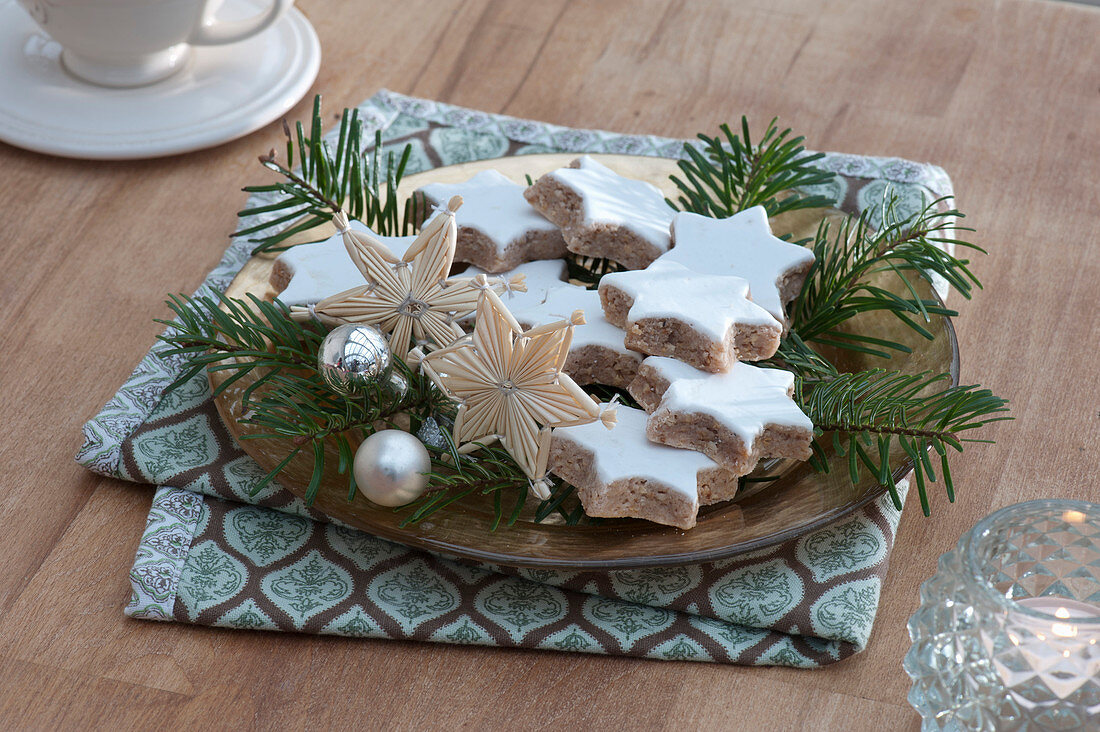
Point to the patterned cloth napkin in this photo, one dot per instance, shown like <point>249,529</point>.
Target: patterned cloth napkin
<point>207,556</point>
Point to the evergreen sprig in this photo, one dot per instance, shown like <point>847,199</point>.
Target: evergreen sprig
<point>588,270</point>
<point>795,355</point>
<point>287,399</point>
<point>489,471</point>
<point>251,337</point>
<point>732,173</point>
<point>869,411</point>
<point>318,182</point>
<point>845,278</point>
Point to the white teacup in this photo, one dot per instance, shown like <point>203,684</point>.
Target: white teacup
<point>136,42</point>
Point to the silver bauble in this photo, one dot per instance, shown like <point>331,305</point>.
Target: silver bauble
<point>396,387</point>
<point>353,357</point>
<point>390,468</point>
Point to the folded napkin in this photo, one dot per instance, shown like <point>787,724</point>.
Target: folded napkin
<point>213,555</point>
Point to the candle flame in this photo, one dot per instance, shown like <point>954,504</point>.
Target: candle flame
<point>1073,517</point>
<point>1064,630</point>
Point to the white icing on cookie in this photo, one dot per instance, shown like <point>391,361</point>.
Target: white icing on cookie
<point>493,205</point>
<point>624,452</point>
<point>540,277</point>
<point>741,245</point>
<point>709,304</point>
<point>611,199</point>
<point>745,399</point>
<point>324,268</point>
<point>559,304</point>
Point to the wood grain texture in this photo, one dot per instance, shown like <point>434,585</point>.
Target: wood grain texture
<point>1004,95</point>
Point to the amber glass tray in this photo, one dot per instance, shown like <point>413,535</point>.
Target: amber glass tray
<point>798,501</point>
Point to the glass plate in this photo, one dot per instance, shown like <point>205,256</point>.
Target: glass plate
<point>798,501</point>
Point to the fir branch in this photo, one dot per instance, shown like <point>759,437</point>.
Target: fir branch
<point>455,477</point>
<point>868,412</point>
<point>733,174</point>
<point>842,282</point>
<point>318,182</point>
<point>608,394</point>
<point>248,337</point>
<point>286,398</point>
<point>300,407</point>
<point>589,270</point>
<point>796,356</point>
<point>489,472</point>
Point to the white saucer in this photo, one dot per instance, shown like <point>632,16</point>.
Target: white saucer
<point>224,93</point>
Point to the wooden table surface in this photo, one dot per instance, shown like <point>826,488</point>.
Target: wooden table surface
<point>1004,95</point>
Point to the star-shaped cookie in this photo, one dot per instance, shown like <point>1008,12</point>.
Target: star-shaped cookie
<point>735,418</point>
<point>620,473</point>
<point>539,277</point>
<point>597,354</point>
<point>704,320</point>
<point>497,229</point>
<point>742,245</point>
<point>308,273</point>
<point>604,214</point>
<point>510,386</point>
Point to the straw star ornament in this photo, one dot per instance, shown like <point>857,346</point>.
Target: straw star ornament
<point>510,385</point>
<point>409,298</point>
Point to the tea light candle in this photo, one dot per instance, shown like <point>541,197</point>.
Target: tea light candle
<point>1060,649</point>
<point>1067,610</point>
<point>980,657</point>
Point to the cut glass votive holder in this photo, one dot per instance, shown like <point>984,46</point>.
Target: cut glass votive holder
<point>1007,636</point>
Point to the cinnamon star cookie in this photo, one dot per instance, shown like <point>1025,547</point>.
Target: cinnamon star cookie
<point>704,320</point>
<point>742,245</point>
<point>604,214</point>
<point>539,276</point>
<point>308,273</point>
<point>497,228</point>
<point>597,354</point>
<point>735,418</point>
<point>619,473</point>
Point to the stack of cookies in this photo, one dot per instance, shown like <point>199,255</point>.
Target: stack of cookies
<point>699,300</point>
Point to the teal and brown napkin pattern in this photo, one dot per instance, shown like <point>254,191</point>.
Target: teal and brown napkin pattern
<point>212,555</point>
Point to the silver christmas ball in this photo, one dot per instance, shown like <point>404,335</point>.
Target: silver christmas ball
<point>353,357</point>
<point>397,387</point>
<point>390,467</point>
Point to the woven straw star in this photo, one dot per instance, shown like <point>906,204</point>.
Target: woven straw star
<point>510,386</point>
<point>409,298</point>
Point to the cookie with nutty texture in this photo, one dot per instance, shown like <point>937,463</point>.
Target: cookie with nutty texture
<point>619,473</point>
<point>742,245</point>
<point>735,418</point>
<point>604,214</point>
<point>597,354</point>
<point>497,229</point>
<point>704,320</point>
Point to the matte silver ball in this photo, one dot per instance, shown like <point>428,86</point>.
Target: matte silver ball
<point>390,468</point>
<point>353,357</point>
